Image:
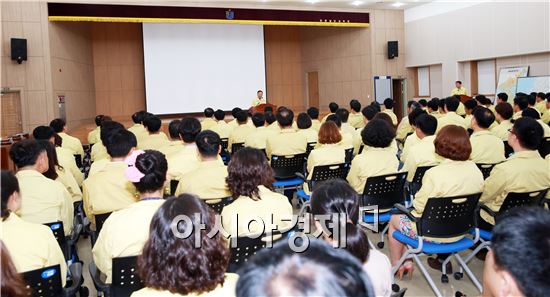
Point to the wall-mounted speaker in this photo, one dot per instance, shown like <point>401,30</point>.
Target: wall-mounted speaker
<point>392,49</point>
<point>19,49</point>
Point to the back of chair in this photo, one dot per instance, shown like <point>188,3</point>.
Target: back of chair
<point>59,234</point>
<point>419,175</point>
<point>235,147</point>
<point>218,207</point>
<point>287,166</point>
<point>125,277</point>
<point>173,186</point>
<point>446,217</point>
<point>224,154</point>
<point>44,282</point>
<point>521,199</point>
<point>326,172</point>
<point>248,247</point>
<point>99,220</point>
<point>384,190</point>
<point>78,160</point>
<point>310,147</point>
<point>485,169</point>
<point>544,148</point>
<point>349,155</point>
<point>508,150</point>
<point>225,144</point>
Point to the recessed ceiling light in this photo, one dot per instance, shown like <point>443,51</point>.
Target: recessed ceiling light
<point>356,3</point>
<point>312,1</point>
<point>398,4</point>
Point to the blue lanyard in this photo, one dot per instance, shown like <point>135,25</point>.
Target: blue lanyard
<point>151,198</point>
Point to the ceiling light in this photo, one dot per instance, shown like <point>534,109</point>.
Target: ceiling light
<point>312,1</point>
<point>356,3</point>
<point>398,4</point>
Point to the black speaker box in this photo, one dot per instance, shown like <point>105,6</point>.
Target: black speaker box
<point>19,49</point>
<point>392,49</point>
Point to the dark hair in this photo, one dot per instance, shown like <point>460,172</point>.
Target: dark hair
<point>320,270</point>
<point>120,142</point>
<point>414,114</point>
<point>208,112</point>
<point>154,166</point>
<point>26,152</point>
<point>423,102</point>
<point>470,104</point>
<point>219,115</point>
<point>152,123</point>
<point>208,143</point>
<point>12,283</point>
<point>521,102</point>
<point>442,104</point>
<point>355,105</point>
<point>139,116</point>
<point>369,112</point>
<point>108,128</point>
<point>375,105</point>
<point>452,103</point>
<point>258,119</point>
<point>385,117</point>
<point>378,133</point>
<point>10,185</point>
<point>247,170</point>
<point>285,117</point>
<point>173,263</point>
<point>453,142</point>
<point>521,246</point>
<point>343,114</point>
<point>270,118</point>
<point>502,96</point>
<point>388,103</point>
<point>433,104</point>
<point>426,123</point>
<point>458,81</point>
<point>484,117</point>
<point>540,95</point>
<point>531,100</point>
<point>234,111</point>
<point>337,197</point>
<point>303,121</point>
<point>173,129</point>
<point>505,110</point>
<point>53,162</point>
<point>333,106</point>
<point>259,91</point>
<point>98,119</point>
<point>531,113</point>
<point>43,133</point>
<point>241,116</point>
<point>313,113</point>
<point>189,129</point>
<point>529,132</point>
<point>334,118</point>
<point>57,125</point>
<point>329,133</point>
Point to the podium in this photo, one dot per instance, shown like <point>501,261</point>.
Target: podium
<point>261,108</point>
<point>464,98</point>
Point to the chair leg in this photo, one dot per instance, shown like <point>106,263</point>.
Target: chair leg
<point>382,235</point>
<point>483,245</point>
<point>427,276</point>
<point>469,272</point>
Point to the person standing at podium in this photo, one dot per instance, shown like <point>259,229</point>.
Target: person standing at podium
<point>259,99</point>
<point>459,90</point>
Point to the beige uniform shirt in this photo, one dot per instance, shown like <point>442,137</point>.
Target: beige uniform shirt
<point>517,115</point>
<point>44,200</point>
<point>451,118</point>
<point>404,128</point>
<point>183,161</point>
<point>67,161</point>
<point>97,166</point>
<point>372,162</point>
<point>347,128</point>
<point>326,154</point>
<point>258,138</point>
<point>31,246</point>
<point>93,136</point>
<point>99,152</point>
<point>139,131</point>
<point>108,190</point>
<point>239,135</point>
<point>545,128</point>
<point>70,183</point>
<point>285,143</point>
<point>207,123</point>
<point>222,128</point>
<point>309,134</point>
<point>356,120</point>
<point>71,143</point>
<point>316,124</point>
<point>123,234</point>
<point>171,148</point>
<point>324,119</point>
<point>206,181</point>
<point>523,172</point>
<point>153,141</point>
<point>228,289</point>
<point>410,141</point>
<point>486,148</point>
<point>421,154</point>
<point>502,130</point>
<point>392,116</point>
<point>546,116</point>
<point>468,119</point>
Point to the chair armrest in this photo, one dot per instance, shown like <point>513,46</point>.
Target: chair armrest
<point>300,175</point>
<point>402,209</point>
<point>488,210</point>
<point>76,273</point>
<point>95,274</point>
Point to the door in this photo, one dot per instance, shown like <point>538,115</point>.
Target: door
<point>398,87</point>
<point>313,89</point>
<point>11,113</point>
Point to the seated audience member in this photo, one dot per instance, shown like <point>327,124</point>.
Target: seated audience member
<point>355,116</point>
<point>287,142</point>
<point>517,264</point>
<point>486,147</point>
<point>503,114</point>
<point>125,231</point>
<point>532,100</point>
<point>313,113</point>
<point>376,105</point>
<point>347,138</point>
<point>43,200</point>
<point>388,109</point>
<point>187,158</point>
<point>99,151</point>
<point>107,129</point>
<point>234,113</point>
<point>69,142</point>
<point>222,128</point>
<point>320,270</point>
<point>207,180</point>
<point>423,104</point>
<point>404,128</point>
<point>520,103</point>
<point>271,121</point>
<point>455,175</point>
<point>469,107</point>
<point>423,152</point>
<point>250,180</point>
<point>138,128</point>
<point>241,132</point>
<point>32,246</point>
<point>412,139</point>
<point>433,108</point>
<point>460,109</point>
<point>305,129</point>
<point>336,197</point>
<point>385,117</point>
<point>534,114</point>
<point>173,265</point>
<point>378,158</point>
<point>58,173</point>
<point>524,171</point>
<point>368,113</point>
<point>441,110</point>
<point>328,151</point>
<point>93,136</point>
<point>258,138</point>
<point>540,104</point>
<point>333,107</point>
<point>502,98</point>
<point>108,189</point>
<point>155,139</point>
<point>65,156</point>
<point>451,117</point>
<point>208,121</point>
<point>12,283</point>
<point>546,116</point>
<point>175,144</point>
<point>343,114</point>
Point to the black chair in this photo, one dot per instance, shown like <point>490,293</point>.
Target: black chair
<point>173,186</point>
<point>544,148</point>
<point>235,147</point>
<point>416,182</point>
<point>248,247</point>
<point>361,149</point>
<point>310,147</point>
<point>218,207</point>
<point>46,282</point>
<point>485,169</point>
<point>326,172</point>
<point>349,155</point>
<point>508,150</point>
<point>125,278</point>
<point>286,166</point>
<point>517,200</point>
<point>78,160</point>
<point>99,221</point>
<point>224,153</point>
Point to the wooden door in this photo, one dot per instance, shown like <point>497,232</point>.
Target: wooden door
<point>398,87</point>
<point>11,113</point>
<point>313,89</point>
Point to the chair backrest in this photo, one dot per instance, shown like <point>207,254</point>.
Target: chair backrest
<point>326,172</point>
<point>59,234</point>
<point>224,154</point>
<point>218,207</point>
<point>485,169</point>
<point>384,190</point>
<point>248,247</point>
<point>508,150</point>
<point>521,199</point>
<point>446,217</point>
<point>78,160</point>
<point>225,144</point>
<point>349,155</point>
<point>287,166</point>
<point>544,148</point>
<point>99,220</point>
<point>44,282</point>
<point>419,174</point>
<point>310,146</point>
<point>235,147</point>
<point>361,149</point>
<point>125,277</point>
<point>173,186</point>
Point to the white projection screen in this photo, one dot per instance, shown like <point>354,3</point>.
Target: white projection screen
<point>192,66</point>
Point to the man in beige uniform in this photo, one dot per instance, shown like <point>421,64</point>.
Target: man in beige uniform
<point>486,147</point>
<point>287,142</point>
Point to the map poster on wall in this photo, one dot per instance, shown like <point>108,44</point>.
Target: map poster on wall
<point>508,78</point>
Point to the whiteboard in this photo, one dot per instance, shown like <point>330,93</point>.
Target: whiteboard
<point>533,84</point>
<point>423,81</point>
<point>486,81</point>
<point>382,88</point>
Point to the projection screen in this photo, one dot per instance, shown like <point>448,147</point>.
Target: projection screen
<point>192,66</point>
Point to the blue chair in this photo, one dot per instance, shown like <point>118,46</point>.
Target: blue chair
<point>125,278</point>
<point>383,192</point>
<point>47,281</point>
<point>444,217</point>
<point>285,169</point>
<point>321,173</point>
